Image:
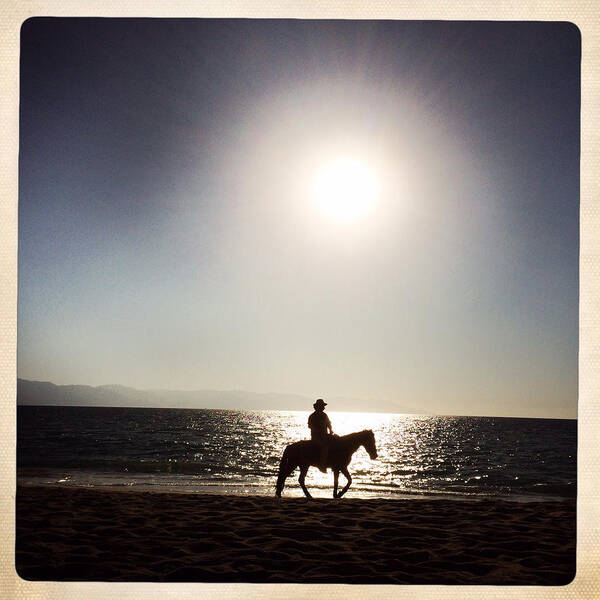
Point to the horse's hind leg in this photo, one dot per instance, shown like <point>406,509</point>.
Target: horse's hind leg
<point>283,475</point>
<point>347,476</point>
<point>280,484</point>
<point>303,471</point>
<point>336,475</point>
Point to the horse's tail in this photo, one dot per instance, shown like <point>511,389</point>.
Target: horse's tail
<point>284,471</point>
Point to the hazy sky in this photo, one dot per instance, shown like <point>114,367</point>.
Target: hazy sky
<point>169,235</point>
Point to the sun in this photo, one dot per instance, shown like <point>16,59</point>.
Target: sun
<point>345,189</point>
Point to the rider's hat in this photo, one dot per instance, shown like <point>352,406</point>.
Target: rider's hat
<point>319,403</point>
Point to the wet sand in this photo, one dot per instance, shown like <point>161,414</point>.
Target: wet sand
<point>79,534</point>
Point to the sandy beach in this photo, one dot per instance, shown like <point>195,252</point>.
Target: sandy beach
<point>78,534</point>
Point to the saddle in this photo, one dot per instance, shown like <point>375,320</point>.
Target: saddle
<point>328,440</point>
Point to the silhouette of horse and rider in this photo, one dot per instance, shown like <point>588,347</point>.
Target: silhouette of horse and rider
<point>323,450</point>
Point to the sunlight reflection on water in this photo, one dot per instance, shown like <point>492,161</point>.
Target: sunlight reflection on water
<point>239,451</point>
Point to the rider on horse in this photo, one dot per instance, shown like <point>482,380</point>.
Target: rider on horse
<point>320,425</point>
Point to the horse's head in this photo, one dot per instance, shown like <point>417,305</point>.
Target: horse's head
<point>369,443</point>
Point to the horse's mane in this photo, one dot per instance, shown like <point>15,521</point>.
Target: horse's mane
<point>348,437</point>
<point>356,434</point>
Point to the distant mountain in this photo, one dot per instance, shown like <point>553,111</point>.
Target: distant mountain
<point>44,393</point>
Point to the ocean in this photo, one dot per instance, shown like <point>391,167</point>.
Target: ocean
<point>238,452</point>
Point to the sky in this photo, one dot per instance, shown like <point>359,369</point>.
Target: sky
<point>171,235</point>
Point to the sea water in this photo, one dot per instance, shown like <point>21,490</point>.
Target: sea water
<point>229,451</point>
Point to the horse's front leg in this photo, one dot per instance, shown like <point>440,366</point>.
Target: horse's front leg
<point>303,470</point>
<point>336,475</point>
<point>345,488</point>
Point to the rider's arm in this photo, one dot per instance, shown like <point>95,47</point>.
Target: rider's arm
<point>329,426</point>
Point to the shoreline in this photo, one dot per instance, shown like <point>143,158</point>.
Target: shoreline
<point>64,478</point>
<point>85,534</point>
<point>294,491</point>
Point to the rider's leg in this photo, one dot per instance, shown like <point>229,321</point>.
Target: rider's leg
<point>323,459</point>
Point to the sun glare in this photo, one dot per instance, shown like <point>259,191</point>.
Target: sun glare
<point>345,189</point>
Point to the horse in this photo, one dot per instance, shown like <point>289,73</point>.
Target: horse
<point>306,454</point>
